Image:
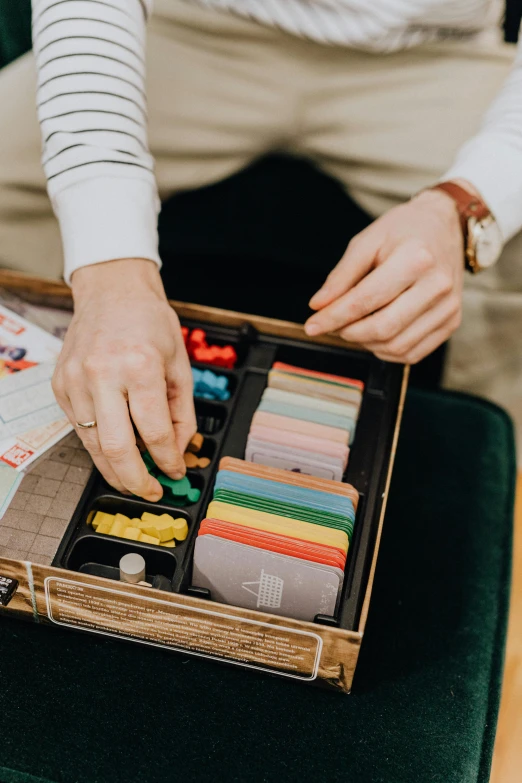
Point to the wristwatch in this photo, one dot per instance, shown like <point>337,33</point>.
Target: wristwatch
<point>482,237</point>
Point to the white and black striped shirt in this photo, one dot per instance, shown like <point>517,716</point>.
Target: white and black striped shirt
<point>92,107</point>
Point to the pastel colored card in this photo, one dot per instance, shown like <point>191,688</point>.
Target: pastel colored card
<point>253,578</point>
<point>291,398</point>
<point>300,441</point>
<point>274,543</point>
<point>273,490</point>
<point>324,390</point>
<point>285,477</point>
<point>296,461</point>
<point>320,375</point>
<point>292,451</point>
<point>265,419</point>
<point>295,464</point>
<point>308,414</point>
<point>274,523</point>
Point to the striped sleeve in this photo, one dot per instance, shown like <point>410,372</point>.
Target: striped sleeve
<point>92,111</point>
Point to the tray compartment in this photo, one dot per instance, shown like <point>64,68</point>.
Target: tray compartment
<point>230,374</point>
<point>105,552</point>
<point>131,507</point>
<point>97,498</point>
<point>211,416</point>
<point>207,450</point>
<point>240,339</point>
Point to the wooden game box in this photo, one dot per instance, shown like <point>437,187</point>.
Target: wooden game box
<point>68,574</point>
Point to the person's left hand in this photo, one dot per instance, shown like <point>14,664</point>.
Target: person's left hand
<point>397,291</point>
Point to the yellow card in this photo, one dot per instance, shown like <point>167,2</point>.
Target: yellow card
<point>273,523</point>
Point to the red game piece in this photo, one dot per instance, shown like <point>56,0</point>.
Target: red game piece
<point>200,351</point>
<point>202,354</point>
<point>214,352</point>
<point>229,356</point>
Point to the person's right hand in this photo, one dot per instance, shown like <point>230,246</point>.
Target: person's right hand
<point>123,362</point>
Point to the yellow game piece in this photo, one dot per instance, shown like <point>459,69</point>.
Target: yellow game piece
<point>118,528</point>
<point>144,538</point>
<point>161,528</point>
<point>132,533</point>
<point>104,527</point>
<point>163,534</point>
<point>204,462</point>
<point>166,519</point>
<point>148,517</point>
<point>170,544</point>
<point>140,523</point>
<point>180,529</point>
<point>100,517</point>
<point>121,522</point>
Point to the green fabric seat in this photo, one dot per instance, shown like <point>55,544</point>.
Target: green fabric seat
<point>15,29</point>
<point>424,705</point>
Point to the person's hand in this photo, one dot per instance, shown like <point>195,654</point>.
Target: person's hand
<point>397,291</point>
<point>123,362</point>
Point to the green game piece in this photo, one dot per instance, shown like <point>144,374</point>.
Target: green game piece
<point>180,492</point>
<point>194,495</point>
<point>179,488</point>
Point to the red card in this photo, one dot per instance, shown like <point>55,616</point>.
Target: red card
<point>285,545</point>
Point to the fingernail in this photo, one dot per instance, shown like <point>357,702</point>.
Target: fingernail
<point>312,329</point>
<point>178,476</point>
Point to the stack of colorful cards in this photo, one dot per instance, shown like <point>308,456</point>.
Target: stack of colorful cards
<point>275,541</point>
<point>305,422</point>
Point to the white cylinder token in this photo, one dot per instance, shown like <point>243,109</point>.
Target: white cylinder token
<point>132,568</point>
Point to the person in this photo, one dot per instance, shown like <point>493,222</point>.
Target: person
<point>388,97</point>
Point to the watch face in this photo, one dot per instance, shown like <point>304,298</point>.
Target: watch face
<point>487,241</point>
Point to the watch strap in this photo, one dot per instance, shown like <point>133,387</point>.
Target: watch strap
<point>468,206</point>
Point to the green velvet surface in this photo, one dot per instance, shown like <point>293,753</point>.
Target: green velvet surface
<point>15,29</point>
<point>84,709</point>
<point>12,776</point>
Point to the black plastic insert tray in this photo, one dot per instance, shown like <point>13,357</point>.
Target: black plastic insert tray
<point>225,426</point>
